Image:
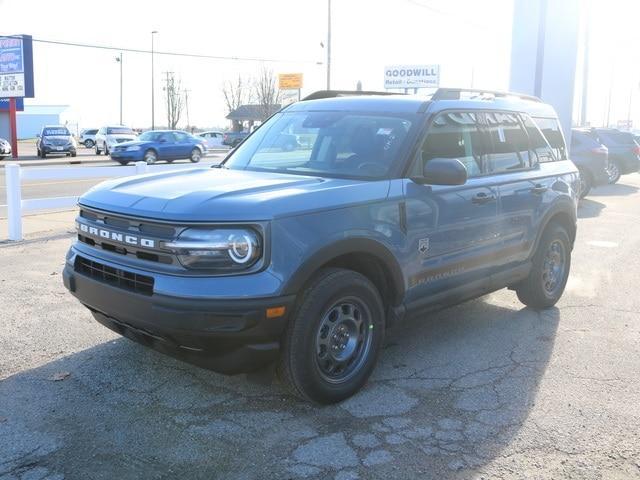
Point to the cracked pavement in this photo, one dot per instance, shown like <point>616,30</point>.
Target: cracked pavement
<point>486,389</point>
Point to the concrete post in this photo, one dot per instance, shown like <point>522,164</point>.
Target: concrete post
<point>14,201</point>
<point>141,167</point>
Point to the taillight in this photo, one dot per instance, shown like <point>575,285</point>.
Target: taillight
<point>636,150</point>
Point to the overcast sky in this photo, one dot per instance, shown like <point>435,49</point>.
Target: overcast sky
<point>468,38</point>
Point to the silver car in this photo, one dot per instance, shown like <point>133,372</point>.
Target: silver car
<point>111,135</point>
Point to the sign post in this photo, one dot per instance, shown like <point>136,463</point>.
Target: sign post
<point>16,77</point>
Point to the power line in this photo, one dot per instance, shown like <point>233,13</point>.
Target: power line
<point>173,54</point>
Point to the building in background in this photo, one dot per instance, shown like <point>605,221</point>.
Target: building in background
<point>245,116</point>
<point>31,120</point>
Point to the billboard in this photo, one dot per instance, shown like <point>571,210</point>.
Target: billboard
<point>16,66</point>
<point>412,76</point>
<point>290,81</point>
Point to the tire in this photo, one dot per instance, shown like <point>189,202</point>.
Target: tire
<point>540,290</point>
<point>339,317</point>
<point>73,154</point>
<point>88,143</point>
<point>614,172</point>
<point>586,182</point>
<point>105,147</point>
<point>98,151</point>
<point>150,156</point>
<point>43,154</point>
<point>123,162</point>
<point>196,155</point>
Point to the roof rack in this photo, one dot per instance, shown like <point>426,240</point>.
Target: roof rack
<point>455,93</point>
<point>344,93</point>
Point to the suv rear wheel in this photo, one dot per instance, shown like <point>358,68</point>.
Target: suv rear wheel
<point>549,271</point>
<point>614,172</point>
<point>334,337</point>
<point>585,182</point>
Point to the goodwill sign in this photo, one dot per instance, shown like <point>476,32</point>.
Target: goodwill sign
<point>411,76</point>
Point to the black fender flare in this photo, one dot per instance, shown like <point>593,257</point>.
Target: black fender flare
<point>564,206</point>
<point>344,247</point>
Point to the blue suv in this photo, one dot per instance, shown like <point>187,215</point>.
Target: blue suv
<point>389,205</point>
<point>157,145</point>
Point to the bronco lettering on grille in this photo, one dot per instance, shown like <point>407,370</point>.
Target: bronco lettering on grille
<point>116,236</point>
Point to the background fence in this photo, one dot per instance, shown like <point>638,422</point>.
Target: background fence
<point>15,175</point>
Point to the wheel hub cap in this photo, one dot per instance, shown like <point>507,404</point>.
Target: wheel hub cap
<point>553,267</point>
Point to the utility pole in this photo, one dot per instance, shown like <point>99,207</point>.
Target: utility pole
<point>153,112</point>
<point>328,44</point>
<point>186,104</point>
<point>169,78</point>
<point>119,60</point>
<point>585,66</point>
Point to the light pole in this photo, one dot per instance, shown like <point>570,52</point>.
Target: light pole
<point>186,103</point>
<point>119,60</point>
<point>153,111</point>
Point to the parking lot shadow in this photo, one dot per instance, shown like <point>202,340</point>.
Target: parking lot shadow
<point>451,391</point>
<point>588,208</point>
<point>615,189</point>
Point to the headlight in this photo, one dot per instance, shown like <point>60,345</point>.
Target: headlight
<point>46,142</point>
<point>227,249</point>
<point>133,148</point>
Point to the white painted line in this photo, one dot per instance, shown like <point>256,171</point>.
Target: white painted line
<point>603,244</point>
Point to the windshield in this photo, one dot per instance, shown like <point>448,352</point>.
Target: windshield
<point>58,131</point>
<point>119,131</point>
<point>346,144</point>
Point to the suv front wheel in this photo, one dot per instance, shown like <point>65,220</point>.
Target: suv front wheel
<point>549,271</point>
<point>334,337</point>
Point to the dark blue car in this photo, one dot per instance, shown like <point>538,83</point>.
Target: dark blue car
<point>157,145</point>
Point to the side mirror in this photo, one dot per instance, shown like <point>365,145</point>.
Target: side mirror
<point>443,171</point>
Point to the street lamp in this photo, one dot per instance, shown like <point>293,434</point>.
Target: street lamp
<point>153,113</point>
<point>119,60</point>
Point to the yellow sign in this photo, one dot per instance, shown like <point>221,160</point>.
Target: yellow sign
<point>289,81</point>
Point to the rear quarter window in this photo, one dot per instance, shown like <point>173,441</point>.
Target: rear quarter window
<point>550,128</point>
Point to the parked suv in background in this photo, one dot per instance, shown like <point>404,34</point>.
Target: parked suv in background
<point>57,140</point>
<point>109,136</point>
<point>624,152</point>
<point>233,139</point>
<point>591,158</point>
<point>88,137</point>
<point>396,205</point>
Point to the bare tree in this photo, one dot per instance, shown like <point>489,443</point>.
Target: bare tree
<point>236,93</point>
<point>266,92</point>
<point>175,100</point>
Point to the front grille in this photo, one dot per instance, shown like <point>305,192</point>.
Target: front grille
<point>116,277</point>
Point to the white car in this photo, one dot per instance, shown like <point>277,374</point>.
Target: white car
<point>212,139</point>
<point>111,135</point>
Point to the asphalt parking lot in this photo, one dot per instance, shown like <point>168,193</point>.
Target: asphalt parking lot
<point>487,389</point>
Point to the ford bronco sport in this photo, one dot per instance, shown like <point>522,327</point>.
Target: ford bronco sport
<point>389,205</point>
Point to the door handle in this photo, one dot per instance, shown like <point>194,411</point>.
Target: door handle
<point>482,198</point>
<point>539,188</point>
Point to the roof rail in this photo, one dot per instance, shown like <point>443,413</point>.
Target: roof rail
<point>454,94</point>
<point>344,93</point>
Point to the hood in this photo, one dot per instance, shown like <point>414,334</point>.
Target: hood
<point>130,136</point>
<point>213,194</point>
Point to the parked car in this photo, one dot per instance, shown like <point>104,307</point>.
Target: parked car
<point>57,140</point>
<point>157,145</point>
<point>233,139</point>
<point>212,139</point>
<point>88,137</point>
<point>401,205</point>
<point>591,158</point>
<point>624,152</point>
<point>109,136</point>
<point>5,148</point>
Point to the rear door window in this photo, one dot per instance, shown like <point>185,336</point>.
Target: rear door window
<point>507,143</point>
<point>550,128</point>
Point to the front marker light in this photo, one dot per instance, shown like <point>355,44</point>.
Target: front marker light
<point>227,249</point>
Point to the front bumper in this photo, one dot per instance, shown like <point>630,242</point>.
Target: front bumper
<point>227,336</point>
<point>58,149</point>
<point>5,150</point>
<point>124,156</point>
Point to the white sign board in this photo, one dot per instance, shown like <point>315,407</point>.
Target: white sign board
<point>411,76</point>
<point>289,96</point>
